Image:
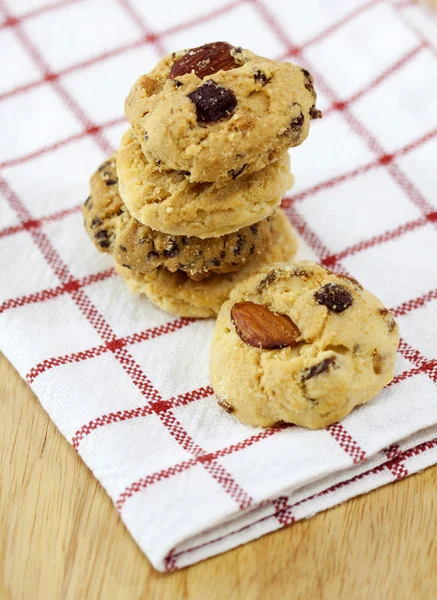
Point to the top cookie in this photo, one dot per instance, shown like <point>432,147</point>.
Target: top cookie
<point>217,111</point>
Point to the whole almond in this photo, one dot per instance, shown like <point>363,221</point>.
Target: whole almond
<point>258,326</point>
<point>205,60</point>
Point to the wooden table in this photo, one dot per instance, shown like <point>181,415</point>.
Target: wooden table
<point>60,536</point>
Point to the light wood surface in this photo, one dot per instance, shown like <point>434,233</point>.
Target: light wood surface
<point>60,536</point>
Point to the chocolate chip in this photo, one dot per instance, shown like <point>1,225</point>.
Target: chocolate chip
<point>123,248</point>
<point>296,123</point>
<point>177,83</point>
<point>102,234</point>
<point>96,222</point>
<point>146,136</point>
<point>234,173</point>
<point>254,229</point>
<point>157,162</point>
<point>104,243</point>
<point>335,297</point>
<point>111,181</point>
<point>270,278</point>
<point>386,314</point>
<point>216,262</point>
<point>260,77</point>
<point>172,251</point>
<point>321,367</point>
<point>239,245</point>
<point>222,254</point>
<point>308,83</point>
<point>315,113</point>
<point>152,254</point>
<point>225,405</point>
<point>213,102</point>
<point>184,240</point>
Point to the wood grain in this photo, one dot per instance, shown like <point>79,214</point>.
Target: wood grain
<point>60,536</point>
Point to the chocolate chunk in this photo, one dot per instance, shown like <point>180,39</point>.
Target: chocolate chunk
<point>152,254</point>
<point>321,367</point>
<point>377,362</point>
<point>96,222</point>
<point>254,229</point>
<point>234,173</point>
<point>386,314</point>
<point>184,240</point>
<point>335,297</point>
<point>308,81</point>
<point>296,123</point>
<point>205,60</point>
<point>260,77</point>
<point>213,102</point>
<point>222,254</point>
<point>270,278</point>
<point>315,113</point>
<point>239,245</point>
<point>172,251</point>
<point>216,262</point>
<point>104,243</point>
<point>102,234</point>
<point>123,248</point>
<point>111,181</point>
<point>225,405</point>
<point>177,83</point>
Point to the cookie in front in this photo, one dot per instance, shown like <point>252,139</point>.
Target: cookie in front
<point>300,344</point>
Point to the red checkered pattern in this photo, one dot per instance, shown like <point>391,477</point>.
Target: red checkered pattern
<point>128,384</point>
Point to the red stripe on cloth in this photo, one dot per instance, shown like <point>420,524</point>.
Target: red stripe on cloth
<point>346,441</point>
<point>171,559</point>
<point>140,411</point>
<point>340,104</point>
<point>406,307</point>
<point>375,241</point>
<point>12,20</point>
<point>48,294</point>
<point>13,162</point>
<point>145,482</point>
<point>297,50</point>
<point>68,100</point>
<point>35,223</point>
<point>111,346</point>
<point>396,464</point>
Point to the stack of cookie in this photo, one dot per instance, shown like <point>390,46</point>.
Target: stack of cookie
<point>188,206</point>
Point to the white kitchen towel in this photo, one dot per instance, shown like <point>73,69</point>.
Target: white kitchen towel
<point>126,383</point>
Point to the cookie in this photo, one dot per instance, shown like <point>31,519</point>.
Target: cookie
<point>217,112</point>
<point>180,295</point>
<point>299,344</point>
<point>168,202</point>
<point>135,246</point>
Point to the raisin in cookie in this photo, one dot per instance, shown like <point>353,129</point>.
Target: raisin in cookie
<point>216,112</point>
<point>180,295</point>
<point>168,202</point>
<point>299,344</point>
<point>138,247</point>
